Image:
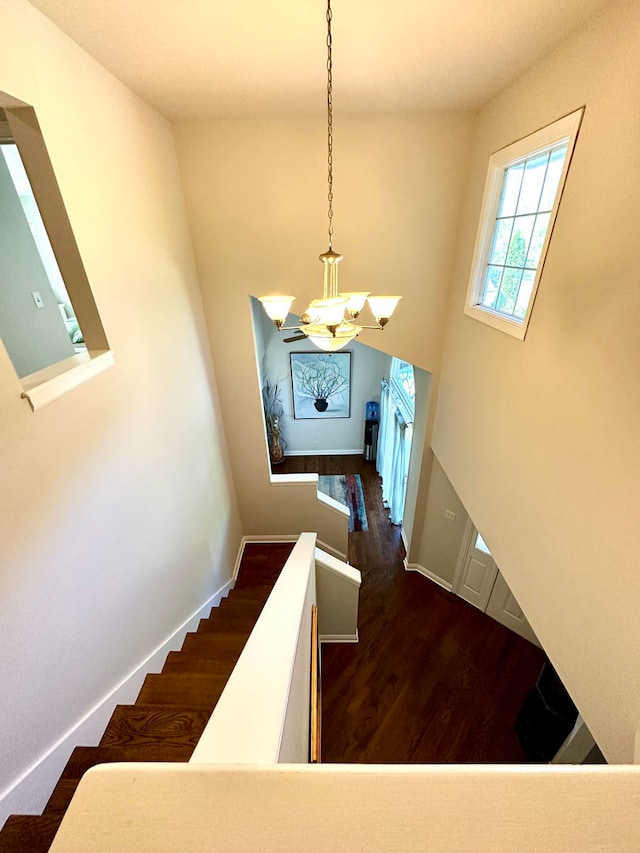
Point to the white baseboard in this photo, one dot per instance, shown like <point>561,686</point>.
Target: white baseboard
<point>29,793</point>
<point>236,565</point>
<point>403,536</point>
<point>358,451</point>
<point>339,638</point>
<point>416,567</point>
<point>267,538</point>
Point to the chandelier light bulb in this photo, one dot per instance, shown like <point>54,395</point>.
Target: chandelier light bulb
<point>356,300</point>
<point>277,307</point>
<point>382,307</point>
<point>329,312</point>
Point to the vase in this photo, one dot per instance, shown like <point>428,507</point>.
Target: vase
<point>276,451</point>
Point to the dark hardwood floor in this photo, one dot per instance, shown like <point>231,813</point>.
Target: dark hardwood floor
<point>432,680</point>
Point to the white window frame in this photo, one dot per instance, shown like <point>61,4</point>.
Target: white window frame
<point>52,382</point>
<point>406,404</point>
<point>565,129</point>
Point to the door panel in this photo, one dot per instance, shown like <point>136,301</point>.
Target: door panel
<point>504,608</point>
<point>480,583</point>
<point>478,575</point>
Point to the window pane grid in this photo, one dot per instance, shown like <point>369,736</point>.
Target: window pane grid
<point>526,203</point>
<point>514,267</point>
<point>502,218</point>
<point>529,167</point>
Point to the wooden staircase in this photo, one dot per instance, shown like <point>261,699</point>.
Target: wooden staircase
<point>173,707</point>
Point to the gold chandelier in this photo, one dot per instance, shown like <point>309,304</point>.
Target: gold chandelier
<point>329,322</point>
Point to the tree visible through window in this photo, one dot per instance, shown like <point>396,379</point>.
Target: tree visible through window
<point>528,194</point>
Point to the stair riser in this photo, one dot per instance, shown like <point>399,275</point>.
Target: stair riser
<point>237,627</point>
<point>196,664</point>
<point>213,645</point>
<point>181,690</point>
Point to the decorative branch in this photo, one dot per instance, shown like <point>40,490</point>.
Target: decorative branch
<point>273,409</point>
<point>320,380</point>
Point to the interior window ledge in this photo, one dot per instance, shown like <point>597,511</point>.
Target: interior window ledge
<point>333,504</point>
<point>338,567</point>
<point>47,385</point>
<point>515,328</point>
<point>306,480</point>
<point>294,479</point>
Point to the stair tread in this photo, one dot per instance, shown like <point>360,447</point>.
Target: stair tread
<point>225,632</point>
<point>232,622</point>
<point>254,553</point>
<point>220,663</point>
<point>146,725</point>
<point>197,663</point>
<point>28,833</point>
<point>249,607</point>
<point>194,690</point>
<point>84,757</point>
<point>226,635</point>
<point>231,627</point>
<point>258,570</point>
<point>60,798</point>
<point>251,592</point>
<point>216,643</point>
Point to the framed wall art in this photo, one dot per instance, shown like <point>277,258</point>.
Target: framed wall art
<point>321,384</point>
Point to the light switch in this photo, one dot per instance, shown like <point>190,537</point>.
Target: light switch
<point>37,299</point>
<point>449,514</point>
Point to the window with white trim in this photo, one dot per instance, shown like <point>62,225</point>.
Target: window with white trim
<point>522,193</point>
<point>402,379</point>
<point>49,321</point>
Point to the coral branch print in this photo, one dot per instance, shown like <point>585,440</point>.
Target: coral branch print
<point>321,384</point>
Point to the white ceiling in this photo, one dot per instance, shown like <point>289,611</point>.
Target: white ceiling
<point>208,58</point>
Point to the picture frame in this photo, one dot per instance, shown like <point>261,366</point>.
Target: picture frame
<point>321,385</point>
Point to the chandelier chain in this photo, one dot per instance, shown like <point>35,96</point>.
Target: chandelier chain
<point>330,122</point>
<point>329,323</point>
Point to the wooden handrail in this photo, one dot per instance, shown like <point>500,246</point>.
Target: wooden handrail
<point>315,688</point>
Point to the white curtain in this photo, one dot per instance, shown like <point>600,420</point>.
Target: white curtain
<point>392,457</point>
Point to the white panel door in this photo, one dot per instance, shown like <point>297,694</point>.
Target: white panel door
<point>503,607</point>
<point>478,574</point>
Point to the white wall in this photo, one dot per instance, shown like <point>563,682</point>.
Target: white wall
<point>540,438</point>
<point>117,511</point>
<point>442,537</point>
<point>254,191</point>
<point>383,807</point>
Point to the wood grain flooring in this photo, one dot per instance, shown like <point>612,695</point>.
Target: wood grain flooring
<point>432,680</point>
